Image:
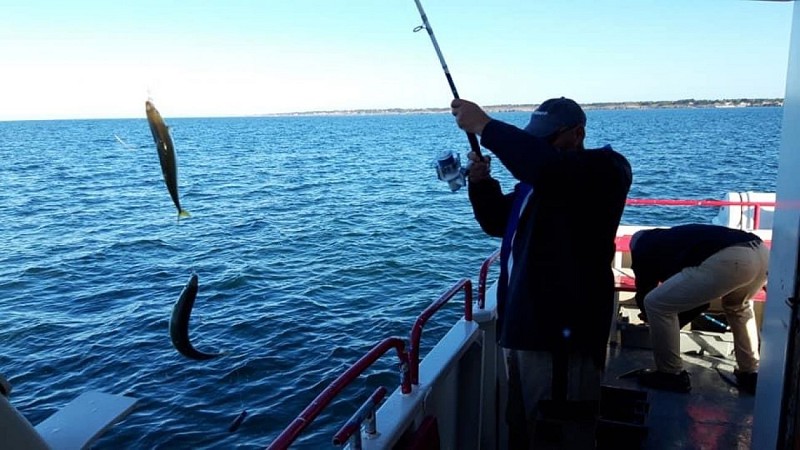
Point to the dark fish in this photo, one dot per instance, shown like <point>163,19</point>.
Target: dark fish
<point>237,421</point>
<point>179,323</point>
<point>166,154</point>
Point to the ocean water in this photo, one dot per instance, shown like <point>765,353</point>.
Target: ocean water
<point>313,239</point>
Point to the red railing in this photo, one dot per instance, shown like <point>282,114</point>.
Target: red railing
<point>416,330</point>
<point>288,436</point>
<point>677,202</point>
<point>409,363</point>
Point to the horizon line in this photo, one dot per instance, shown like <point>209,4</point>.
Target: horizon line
<point>500,107</point>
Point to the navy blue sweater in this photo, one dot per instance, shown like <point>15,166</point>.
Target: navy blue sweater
<point>561,290</point>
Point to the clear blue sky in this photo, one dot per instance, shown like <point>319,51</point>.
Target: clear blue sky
<point>87,59</point>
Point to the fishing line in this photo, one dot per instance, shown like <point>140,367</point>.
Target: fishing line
<point>473,140</point>
<point>124,144</point>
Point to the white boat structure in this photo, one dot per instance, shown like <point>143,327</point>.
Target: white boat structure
<point>75,426</point>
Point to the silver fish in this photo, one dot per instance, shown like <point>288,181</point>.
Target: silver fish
<point>166,154</point>
<point>179,323</point>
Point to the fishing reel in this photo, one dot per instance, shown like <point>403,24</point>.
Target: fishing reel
<point>449,169</point>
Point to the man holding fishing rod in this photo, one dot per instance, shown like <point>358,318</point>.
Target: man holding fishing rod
<point>556,288</point>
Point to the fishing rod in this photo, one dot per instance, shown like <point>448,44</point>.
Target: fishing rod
<point>448,164</point>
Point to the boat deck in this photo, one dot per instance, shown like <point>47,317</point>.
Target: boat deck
<point>714,415</point>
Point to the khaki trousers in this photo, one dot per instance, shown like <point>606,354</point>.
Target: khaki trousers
<point>734,275</point>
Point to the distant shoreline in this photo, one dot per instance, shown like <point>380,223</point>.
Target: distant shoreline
<point>689,103</point>
<point>528,107</point>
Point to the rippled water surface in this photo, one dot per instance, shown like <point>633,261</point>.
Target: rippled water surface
<point>313,239</point>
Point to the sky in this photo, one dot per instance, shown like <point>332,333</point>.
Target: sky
<point>102,59</point>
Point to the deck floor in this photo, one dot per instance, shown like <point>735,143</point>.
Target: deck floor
<point>714,415</point>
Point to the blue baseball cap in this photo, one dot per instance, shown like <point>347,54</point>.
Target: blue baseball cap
<point>553,115</point>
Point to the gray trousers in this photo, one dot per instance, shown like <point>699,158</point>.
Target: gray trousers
<point>530,380</point>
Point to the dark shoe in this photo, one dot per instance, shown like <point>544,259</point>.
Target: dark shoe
<point>747,381</point>
<point>666,381</point>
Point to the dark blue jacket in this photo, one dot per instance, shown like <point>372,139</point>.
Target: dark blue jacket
<point>660,253</point>
<point>498,215</point>
<point>561,290</point>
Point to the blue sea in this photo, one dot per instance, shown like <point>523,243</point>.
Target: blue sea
<point>313,238</point>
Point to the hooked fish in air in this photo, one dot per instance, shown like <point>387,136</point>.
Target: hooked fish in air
<point>166,154</point>
<point>179,323</point>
